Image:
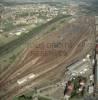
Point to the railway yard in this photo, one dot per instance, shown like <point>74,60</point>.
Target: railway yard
<point>49,56</point>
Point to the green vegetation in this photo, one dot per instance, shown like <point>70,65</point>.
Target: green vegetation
<point>22,14</point>
<point>7,25</point>
<point>53,28</point>
<point>76,80</point>
<point>43,98</point>
<point>13,57</point>
<point>42,16</point>
<point>31,95</point>
<point>23,97</point>
<point>9,47</point>
<point>26,96</point>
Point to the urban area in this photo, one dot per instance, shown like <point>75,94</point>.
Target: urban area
<point>48,51</point>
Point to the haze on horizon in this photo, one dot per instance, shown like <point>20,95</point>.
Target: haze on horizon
<point>49,0</point>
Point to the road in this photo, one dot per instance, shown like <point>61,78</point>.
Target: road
<point>31,70</point>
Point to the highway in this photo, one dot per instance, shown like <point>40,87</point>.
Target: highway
<point>31,70</point>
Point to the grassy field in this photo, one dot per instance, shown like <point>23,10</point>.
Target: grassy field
<point>25,37</point>
<point>31,95</point>
<point>4,39</point>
